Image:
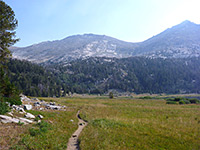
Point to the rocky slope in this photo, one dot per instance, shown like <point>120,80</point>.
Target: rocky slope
<point>182,40</point>
<point>73,47</point>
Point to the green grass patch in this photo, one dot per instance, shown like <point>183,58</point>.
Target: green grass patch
<point>52,133</point>
<point>119,124</point>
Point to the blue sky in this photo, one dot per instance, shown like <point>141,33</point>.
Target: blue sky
<point>128,20</point>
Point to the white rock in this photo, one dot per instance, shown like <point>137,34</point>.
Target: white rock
<point>29,115</point>
<point>53,107</point>
<point>24,98</point>
<point>28,107</point>
<point>22,110</point>
<point>52,103</point>
<point>25,121</point>
<point>7,119</point>
<point>35,99</point>
<point>15,120</point>
<point>22,113</point>
<point>40,116</point>
<point>17,108</point>
<point>10,114</point>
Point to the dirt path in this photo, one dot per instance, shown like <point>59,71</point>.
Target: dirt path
<point>73,143</point>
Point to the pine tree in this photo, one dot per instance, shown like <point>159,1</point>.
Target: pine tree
<point>8,24</point>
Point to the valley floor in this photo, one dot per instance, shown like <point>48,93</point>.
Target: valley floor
<point>119,123</point>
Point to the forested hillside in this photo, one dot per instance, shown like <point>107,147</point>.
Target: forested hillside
<point>99,75</point>
<point>136,74</point>
<point>34,80</point>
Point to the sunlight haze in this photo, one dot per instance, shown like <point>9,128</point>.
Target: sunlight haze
<point>128,20</point>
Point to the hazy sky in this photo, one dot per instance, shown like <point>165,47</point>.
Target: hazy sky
<point>128,20</point>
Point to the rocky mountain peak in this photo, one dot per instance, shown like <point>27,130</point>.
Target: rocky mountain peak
<point>182,40</point>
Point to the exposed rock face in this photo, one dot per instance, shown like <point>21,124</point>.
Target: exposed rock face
<point>182,40</point>
<point>74,47</point>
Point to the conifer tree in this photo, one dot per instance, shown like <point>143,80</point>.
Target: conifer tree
<point>8,24</point>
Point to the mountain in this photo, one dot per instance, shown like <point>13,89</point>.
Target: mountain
<point>180,41</point>
<point>74,47</point>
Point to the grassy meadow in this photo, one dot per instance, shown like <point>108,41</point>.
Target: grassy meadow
<point>119,123</point>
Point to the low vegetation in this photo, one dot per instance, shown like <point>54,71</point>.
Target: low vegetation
<point>182,100</point>
<point>118,123</point>
<point>52,133</point>
<point>4,108</point>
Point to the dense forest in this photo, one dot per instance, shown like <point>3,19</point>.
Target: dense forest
<point>99,75</point>
<point>136,74</point>
<point>34,80</point>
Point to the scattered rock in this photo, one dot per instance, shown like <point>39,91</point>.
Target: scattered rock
<point>28,107</point>
<point>37,104</point>
<point>7,119</point>
<point>18,108</point>
<point>29,115</point>
<point>40,116</point>
<point>52,103</point>
<point>35,99</point>
<point>72,120</point>
<point>24,98</point>
<point>25,121</point>
<point>53,107</point>
<point>10,114</point>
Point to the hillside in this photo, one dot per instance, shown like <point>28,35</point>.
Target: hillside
<point>134,74</point>
<point>74,47</point>
<point>34,80</point>
<point>180,41</point>
<point>97,75</point>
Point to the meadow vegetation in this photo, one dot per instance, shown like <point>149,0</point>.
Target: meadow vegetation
<point>118,123</point>
<point>52,133</point>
